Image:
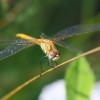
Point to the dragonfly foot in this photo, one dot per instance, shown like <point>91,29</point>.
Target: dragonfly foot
<point>49,64</point>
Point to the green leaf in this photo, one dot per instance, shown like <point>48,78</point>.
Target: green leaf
<point>79,80</point>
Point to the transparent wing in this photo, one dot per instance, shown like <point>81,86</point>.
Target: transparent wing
<point>67,46</point>
<point>14,41</point>
<point>75,30</point>
<point>15,47</point>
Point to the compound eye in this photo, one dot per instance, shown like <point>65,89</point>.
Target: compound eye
<point>54,55</point>
<point>57,53</point>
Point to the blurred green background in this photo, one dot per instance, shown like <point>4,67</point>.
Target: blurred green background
<point>49,16</point>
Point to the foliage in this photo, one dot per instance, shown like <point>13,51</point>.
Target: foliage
<point>79,80</point>
<point>34,17</point>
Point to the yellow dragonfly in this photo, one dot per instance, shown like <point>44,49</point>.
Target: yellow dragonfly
<point>47,43</point>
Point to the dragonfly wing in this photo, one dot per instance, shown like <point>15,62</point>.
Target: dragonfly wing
<point>14,48</point>
<point>43,36</point>
<point>67,46</point>
<point>75,30</point>
<point>15,41</point>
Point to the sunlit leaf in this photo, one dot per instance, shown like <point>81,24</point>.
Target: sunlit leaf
<point>79,80</point>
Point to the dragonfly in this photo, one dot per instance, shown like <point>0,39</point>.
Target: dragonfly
<point>47,43</point>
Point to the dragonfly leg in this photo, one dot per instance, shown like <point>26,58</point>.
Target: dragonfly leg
<point>50,63</point>
<point>41,60</point>
<point>56,63</point>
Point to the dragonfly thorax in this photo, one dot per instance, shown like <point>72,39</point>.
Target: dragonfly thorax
<point>49,49</point>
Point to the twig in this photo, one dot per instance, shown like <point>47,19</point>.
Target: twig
<point>36,77</point>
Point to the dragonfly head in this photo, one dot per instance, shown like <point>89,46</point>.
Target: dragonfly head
<point>54,55</point>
